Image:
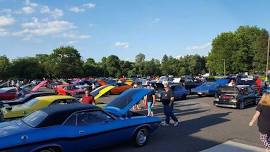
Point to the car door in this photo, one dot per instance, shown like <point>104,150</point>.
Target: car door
<point>95,129</point>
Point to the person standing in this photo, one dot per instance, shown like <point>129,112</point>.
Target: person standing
<point>168,101</point>
<point>262,114</point>
<point>19,91</point>
<point>150,100</point>
<point>88,98</point>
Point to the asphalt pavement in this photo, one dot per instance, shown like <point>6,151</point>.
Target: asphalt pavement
<point>203,127</point>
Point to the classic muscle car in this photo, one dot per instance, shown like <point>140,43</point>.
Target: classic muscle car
<point>70,90</point>
<point>179,92</point>
<point>100,91</point>
<point>209,88</point>
<point>25,98</point>
<point>236,96</point>
<point>79,127</point>
<point>9,112</point>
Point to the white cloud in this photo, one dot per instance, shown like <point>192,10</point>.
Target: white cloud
<point>28,10</point>
<point>82,8</point>
<point>44,9</point>
<point>56,13</point>
<point>123,45</point>
<point>6,20</point>
<point>3,32</point>
<point>29,3</point>
<point>89,5</point>
<point>39,28</point>
<point>199,47</point>
<point>75,36</point>
<point>76,9</point>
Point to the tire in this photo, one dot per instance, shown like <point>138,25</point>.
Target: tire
<point>141,137</point>
<point>184,97</point>
<point>242,105</point>
<point>49,149</point>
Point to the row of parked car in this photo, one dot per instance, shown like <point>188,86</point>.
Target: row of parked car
<point>53,123</point>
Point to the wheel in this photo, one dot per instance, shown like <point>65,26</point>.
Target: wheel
<point>242,105</point>
<point>49,149</point>
<point>141,137</point>
<point>184,97</point>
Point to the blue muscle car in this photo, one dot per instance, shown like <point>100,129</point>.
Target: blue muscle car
<point>209,88</point>
<point>79,127</point>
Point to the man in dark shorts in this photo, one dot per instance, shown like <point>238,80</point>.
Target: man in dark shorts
<point>167,101</point>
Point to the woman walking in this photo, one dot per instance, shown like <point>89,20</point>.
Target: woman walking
<point>262,114</point>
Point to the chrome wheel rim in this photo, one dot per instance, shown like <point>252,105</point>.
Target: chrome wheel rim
<point>141,137</point>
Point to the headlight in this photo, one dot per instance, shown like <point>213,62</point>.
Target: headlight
<point>234,100</point>
<point>216,99</point>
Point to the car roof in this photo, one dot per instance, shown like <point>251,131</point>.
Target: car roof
<point>57,114</point>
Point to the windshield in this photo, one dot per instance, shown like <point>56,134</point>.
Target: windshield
<point>30,103</point>
<point>35,118</point>
<point>229,90</point>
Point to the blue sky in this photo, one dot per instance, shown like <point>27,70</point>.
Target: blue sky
<point>124,28</point>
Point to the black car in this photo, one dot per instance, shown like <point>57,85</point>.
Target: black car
<point>238,96</point>
<point>25,98</point>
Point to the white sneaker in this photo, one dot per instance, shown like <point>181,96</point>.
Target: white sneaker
<point>176,124</point>
<point>163,123</point>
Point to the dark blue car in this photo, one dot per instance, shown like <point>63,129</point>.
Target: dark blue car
<point>239,96</point>
<point>78,127</point>
<point>209,88</point>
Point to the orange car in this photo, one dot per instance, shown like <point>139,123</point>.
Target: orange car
<point>120,87</point>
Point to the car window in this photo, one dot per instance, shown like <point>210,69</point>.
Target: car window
<point>11,91</point>
<point>35,118</point>
<point>31,102</point>
<point>71,121</point>
<point>64,101</point>
<point>92,117</point>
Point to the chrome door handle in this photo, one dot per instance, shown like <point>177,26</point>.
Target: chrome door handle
<point>81,132</point>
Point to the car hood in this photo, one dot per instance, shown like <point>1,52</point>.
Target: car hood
<point>41,84</point>
<point>12,127</point>
<point>125,101</point>
<point>100,91</point>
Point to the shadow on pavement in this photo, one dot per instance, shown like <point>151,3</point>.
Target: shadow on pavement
<point>177,139</point>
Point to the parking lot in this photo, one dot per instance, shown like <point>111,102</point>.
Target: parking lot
<point>202,126</point>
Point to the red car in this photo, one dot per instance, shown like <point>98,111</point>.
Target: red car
<point>7,93</point>
<point>71,90</point>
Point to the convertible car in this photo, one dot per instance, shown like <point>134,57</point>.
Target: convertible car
<point>17,111</point>
<point>25,98</point>
<point>79,127</point>
<point>236,97</point>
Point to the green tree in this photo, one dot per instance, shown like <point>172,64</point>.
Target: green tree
<point>65,62</point>
<point>26,68</point>
<point>4,67</point>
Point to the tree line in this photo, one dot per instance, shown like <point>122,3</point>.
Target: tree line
<point>243,50</point>
<point>66,62</point>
